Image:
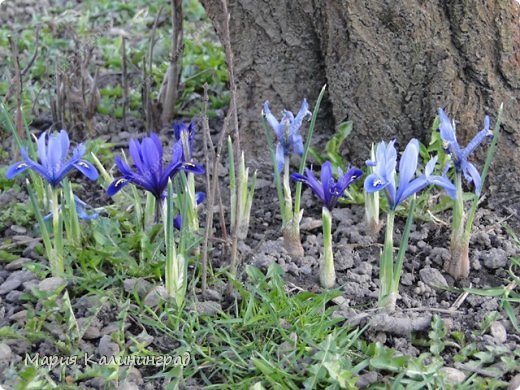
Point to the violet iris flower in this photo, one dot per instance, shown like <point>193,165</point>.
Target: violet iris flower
<point>287,132</point>
<point>385,173</point>
<point>328,190</point>
<point>81,210</point>
<point>149,173</point>
<point>199,198</point>
<point>53,165</point>
<point>178,129</point>
<point>460,155</point>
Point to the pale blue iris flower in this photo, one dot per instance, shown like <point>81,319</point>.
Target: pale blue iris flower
<point>287,132</point>
<point>384,176</point>
<point>460,155</point>
<point>53,164</point>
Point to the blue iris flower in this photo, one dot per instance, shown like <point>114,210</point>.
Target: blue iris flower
<point>53,165</point>
<point>328,190</point>
<point>179,129</point>
<point>460,155</point>
<point>149,173</point>
<point>287,132</point>
<point>81,210</point>
<point>384,176</point>
<point>199,198</point>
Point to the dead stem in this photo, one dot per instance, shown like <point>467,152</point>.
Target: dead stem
<point>124,81</point>
<point>170,88</point>
<point>226,41</point>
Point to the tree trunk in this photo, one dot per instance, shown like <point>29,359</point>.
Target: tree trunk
<point>388,65</point>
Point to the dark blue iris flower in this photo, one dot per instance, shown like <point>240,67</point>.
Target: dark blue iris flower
<point>53,165</point>
<point>149,173</point>
<point>328,190</point>
<point>287,132</point>
<point>199,198</point>
<point>384,176</point>
<point>460,155</point>
<point>179,129</point>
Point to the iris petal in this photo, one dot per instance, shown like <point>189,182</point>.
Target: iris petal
<point>17,168</point>
<point>42,148</point>
<point>374,183</point>
<point>87,169</point>
<point>116,186</point>
<point>475,177</point>
<point>273,122</point>
<point>280,157</point>
<point>297,122</point>
<point>411,188</point>
<point>407,167</point>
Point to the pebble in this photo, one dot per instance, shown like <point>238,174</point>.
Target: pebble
<point>494,258</point>
<point>127,385</point>
<point>498,331</point>
<point>452,375</point>
<point>17,264</point>
<point>93,330</point>
<point>208,308</point>
<point>407,279</point>
<point>18,229</point>
<point>433,278</point>
<point>107,347</point>
<point>139,285</point>
<point>51,284</point>
<point>9,285</point>
<point>155,296</point>
<point>13,296</point>
<point>515,383</point>
<point>22,276</point>
<point>5,353</point>
<point>213,295</point>
<point>19,316</point>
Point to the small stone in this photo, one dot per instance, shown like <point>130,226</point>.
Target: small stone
<point>22,276</point>
<point>452,376</point>
<point>498,331</point>
<point>407,279</point>
<point>309,224</point>
<point>494,258</point>
<point>13,296</point>
<point>5,353</point>
<point>19,316</point>
<point>18,229</point>
<point>9,285</point>
<point>155,296</point>
<point>110,328</point>
<point>365,268</point>
<point>51,284</point>
<point>17,264</point>
<point>213,295</point>
<point>515,383</point>
<point>433,278</point>
<point>127,385</point>
<point>208,308</point>
<point>367,379</point>
<point>139,285</point>
<point>134,375</point>
<point>93,328</point>
<point>107,347</point>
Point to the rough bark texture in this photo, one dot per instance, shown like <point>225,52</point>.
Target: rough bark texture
<point>388,66</point>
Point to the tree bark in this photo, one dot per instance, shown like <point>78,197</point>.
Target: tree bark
<point>389,66</point>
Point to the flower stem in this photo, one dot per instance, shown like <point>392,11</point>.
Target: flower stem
<point>327,272</point>
<point>174,272</point>
<point>291,227</point>
<point>386,267</point>
<point>458,265</point>
<point>56,263</point>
